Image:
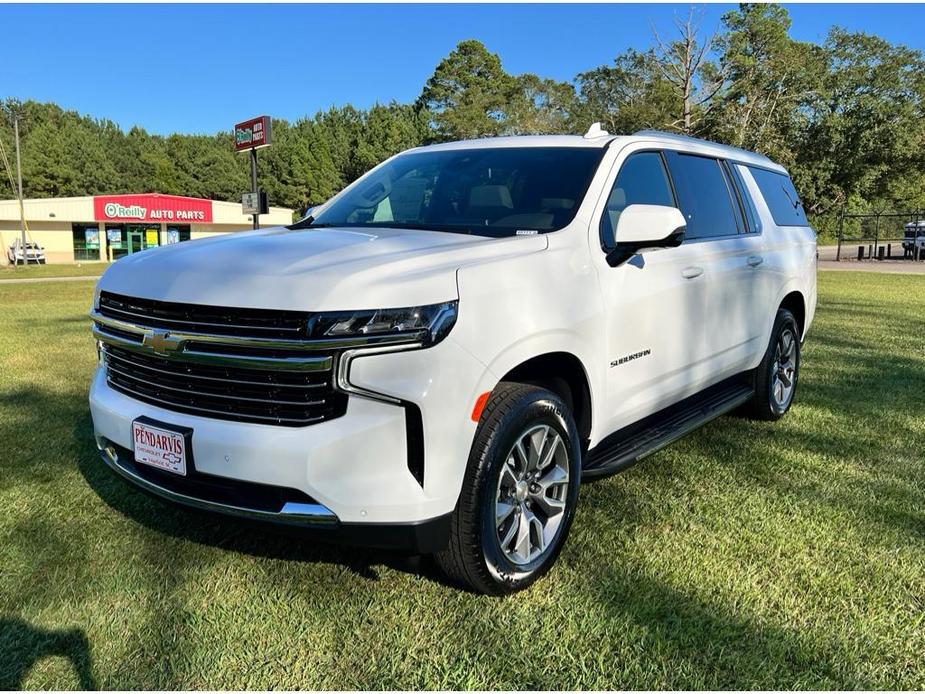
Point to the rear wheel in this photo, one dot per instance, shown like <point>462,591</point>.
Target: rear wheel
<point>519,494</point>
<point>775,379</point>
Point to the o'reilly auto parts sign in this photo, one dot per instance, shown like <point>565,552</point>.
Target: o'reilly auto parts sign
<point>151,208</point>
<point>252,134</point>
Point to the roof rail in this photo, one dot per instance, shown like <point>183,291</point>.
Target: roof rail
<point>699,140</point>
<point>672,136</point>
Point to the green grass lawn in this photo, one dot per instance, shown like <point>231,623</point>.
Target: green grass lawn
<point>749,555</point>
<point>9,272</point>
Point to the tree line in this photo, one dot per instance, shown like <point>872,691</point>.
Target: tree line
<point>845,116</point>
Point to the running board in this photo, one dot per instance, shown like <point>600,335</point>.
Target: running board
<point>631,444</point>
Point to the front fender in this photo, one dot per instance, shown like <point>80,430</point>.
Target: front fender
<point>516,309</point>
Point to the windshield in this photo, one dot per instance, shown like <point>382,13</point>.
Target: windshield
<point>490,192</point>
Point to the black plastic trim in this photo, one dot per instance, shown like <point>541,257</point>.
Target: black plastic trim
<point>629,445</point>
<point>207,487</point>
<point>423,537</point>
<point>752,219</point>
<point>420,537</point>
<point>414,440</point>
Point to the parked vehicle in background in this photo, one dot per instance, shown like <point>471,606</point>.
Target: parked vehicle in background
<point>438,356</point>
<point>34,253</point>
<point>914,235</point>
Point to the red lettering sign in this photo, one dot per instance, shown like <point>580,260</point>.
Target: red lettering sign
<point>252,134</point>
<point>152,207</point>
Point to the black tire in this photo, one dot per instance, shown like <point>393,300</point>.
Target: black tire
<point>765,404</point>
<point>474,557</point>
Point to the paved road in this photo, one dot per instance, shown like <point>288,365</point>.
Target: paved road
<point>827,262</point>
<point>30,280</point>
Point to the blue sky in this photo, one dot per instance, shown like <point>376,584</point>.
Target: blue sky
<point>199,68</point>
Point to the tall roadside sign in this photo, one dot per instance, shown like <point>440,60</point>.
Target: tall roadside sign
<point>251,135</point>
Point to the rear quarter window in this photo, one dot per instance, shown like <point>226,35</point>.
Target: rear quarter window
<point>781,197</point>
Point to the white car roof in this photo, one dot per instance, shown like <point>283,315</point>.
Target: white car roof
<point>655,137</point>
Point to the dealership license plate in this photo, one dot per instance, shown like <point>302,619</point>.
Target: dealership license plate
<point>158,447</point>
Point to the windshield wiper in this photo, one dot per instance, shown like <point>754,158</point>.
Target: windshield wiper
<point>302,223</point>
<point>309,223</point>
<point>452,228</point>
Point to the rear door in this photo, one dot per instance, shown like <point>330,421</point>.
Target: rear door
<point>731,254</point>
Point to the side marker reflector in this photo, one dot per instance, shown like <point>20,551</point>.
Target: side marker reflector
<point>480,405</point>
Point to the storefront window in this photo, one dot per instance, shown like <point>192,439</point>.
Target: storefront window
<point>117,240</point>
<point>177,233</point>
<point>86,241</point>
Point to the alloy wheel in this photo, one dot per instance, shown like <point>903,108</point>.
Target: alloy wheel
<point>531,495</point>
<point>785,364</point>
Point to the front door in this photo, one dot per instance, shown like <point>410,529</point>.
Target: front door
<point>135,239</point>
<point>141,237</point>
<point>656,304</point>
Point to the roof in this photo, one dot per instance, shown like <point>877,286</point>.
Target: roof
<point>696,144</point>
<point>522,141</point>
<point>692,144</point>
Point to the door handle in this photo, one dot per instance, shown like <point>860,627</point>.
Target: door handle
<point>691,272</point>
<point>755,260</point>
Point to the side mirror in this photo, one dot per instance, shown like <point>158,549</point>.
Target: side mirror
<point>646,226</point>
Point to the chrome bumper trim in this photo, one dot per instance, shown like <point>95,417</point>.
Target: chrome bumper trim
<point>292,513</point>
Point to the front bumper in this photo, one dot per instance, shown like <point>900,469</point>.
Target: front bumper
<point>350,476</point>
<point>424,537</point>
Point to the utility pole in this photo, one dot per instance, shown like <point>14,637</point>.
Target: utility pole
<point>22,211</point>
<point>256,215</point>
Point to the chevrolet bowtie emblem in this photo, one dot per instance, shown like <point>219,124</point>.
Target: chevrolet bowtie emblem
<point>161,341</point>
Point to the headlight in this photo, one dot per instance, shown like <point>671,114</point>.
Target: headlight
<point>96,298</point>
<point>427,324</point>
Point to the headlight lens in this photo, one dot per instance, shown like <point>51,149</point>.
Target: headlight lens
<point>429,324</point>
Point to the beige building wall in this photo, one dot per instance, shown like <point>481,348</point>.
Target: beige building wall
<point>55,237</point>
<point>230,213</point>
<point>50,224</point>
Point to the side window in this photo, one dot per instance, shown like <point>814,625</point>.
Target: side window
<point>781,197</point>
<point>642,181</point>
<point>706,200</point>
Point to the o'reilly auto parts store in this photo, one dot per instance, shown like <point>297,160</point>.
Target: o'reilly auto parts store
<point>112,226</point>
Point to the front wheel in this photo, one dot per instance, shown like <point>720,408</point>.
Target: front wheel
<point>775,379</point>
<point>519,493</point>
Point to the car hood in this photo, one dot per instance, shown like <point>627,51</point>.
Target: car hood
<point>310,269</point>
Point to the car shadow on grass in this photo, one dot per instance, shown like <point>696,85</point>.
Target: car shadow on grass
<point>265,540</point>
<point>703,645</point>
<point>22,645</point>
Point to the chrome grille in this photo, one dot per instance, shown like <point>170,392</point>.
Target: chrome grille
<point>237,364</point>
<point>237,322</point>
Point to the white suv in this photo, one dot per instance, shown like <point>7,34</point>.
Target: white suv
<point>439,355</point>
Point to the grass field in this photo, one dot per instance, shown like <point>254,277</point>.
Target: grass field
<point>8,272</point>
<point>749,555</point>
